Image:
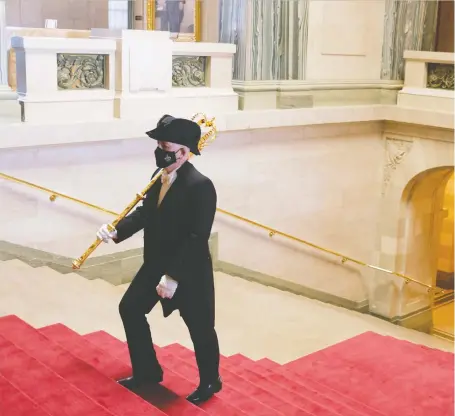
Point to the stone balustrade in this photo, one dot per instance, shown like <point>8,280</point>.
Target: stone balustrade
<point>65,80</point>
<point>429,81</point>
<point>124,74</point>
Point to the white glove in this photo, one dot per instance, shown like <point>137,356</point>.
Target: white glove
<point>106,235</point>
<point>167,287</point>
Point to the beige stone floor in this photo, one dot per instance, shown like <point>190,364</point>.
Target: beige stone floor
<point>443,318</point>
<point>252,319</point>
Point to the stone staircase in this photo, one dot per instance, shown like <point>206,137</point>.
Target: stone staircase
<point>62,348</point>
<point>54,371</point>
<point>253,319</point>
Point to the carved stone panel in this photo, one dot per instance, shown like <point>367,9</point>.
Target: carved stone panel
<point>440,76</point>
<point>396,151</point>
<point>81,71</point>
<point>189,71</point>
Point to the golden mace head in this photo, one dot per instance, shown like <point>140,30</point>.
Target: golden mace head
<point>210,135</point>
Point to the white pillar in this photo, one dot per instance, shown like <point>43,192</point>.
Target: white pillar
<point>3,46</point>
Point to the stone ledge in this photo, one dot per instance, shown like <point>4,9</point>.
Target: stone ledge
<point>26,135</point>
<point>287,286</point>
<point>256,95</point>
<point>420,320</point>
<point>117,268</point>
<point>300,85</point>
<point>442,334</point>
<point>120,268</point>
<point>7,94</point>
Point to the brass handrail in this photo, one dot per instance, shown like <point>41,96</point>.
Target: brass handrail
<point>55,194</point>
<point>272,232</point>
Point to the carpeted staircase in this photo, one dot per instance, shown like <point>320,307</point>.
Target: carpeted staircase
<point>54,371</point>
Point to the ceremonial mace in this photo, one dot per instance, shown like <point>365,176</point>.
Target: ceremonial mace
<point>206,139</point>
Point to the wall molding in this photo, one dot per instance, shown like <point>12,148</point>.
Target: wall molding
<point>299,85</point>
<point>18,135</point>
<point>291,287</point>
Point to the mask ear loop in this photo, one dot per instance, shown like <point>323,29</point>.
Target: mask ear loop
<point>179,150</point>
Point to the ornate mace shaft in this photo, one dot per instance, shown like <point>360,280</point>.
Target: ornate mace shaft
<point>206,139</point>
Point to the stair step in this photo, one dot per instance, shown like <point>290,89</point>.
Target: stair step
<point>245,402</point>
<point>302,386</point>
<point>114,399</point>
<point>435,355</point>
<point>15,403</point>
<point>267,363</point>
<point>307,403</point>
<point>186,354</point>
<point>347,368</point>
<point>259,387</point>
<point>338,403</point>
<point>108,365</point>
<point>316,392</point>
<point>80,348</point>
<point>52,393</point>
<point>47,281</point>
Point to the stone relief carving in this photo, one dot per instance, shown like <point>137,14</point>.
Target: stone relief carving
<point>396,151</point>
<point>440,76</point>
<point>188,71</point>
<point>77,71</point>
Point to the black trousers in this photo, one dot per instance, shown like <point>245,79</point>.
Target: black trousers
<point>174,15</point>
<point>138,301</point>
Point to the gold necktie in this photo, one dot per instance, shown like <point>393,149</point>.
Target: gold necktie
<point>165,185</point>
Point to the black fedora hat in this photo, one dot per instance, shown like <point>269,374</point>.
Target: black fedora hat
<point>179,131</point>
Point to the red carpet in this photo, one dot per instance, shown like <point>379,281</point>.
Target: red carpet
<point>54,371</point>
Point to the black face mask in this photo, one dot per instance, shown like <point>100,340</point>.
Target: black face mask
<point>164,159</point>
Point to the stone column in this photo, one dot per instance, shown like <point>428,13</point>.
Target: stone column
<point>3,46</point>
<point>271,38</point>
<point>408,25</point>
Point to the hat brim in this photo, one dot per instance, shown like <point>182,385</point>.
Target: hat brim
<point>156,134</point>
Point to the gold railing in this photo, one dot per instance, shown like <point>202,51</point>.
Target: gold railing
<point>272,232</point>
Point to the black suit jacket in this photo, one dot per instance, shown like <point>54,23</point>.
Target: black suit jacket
<point>176,239</point>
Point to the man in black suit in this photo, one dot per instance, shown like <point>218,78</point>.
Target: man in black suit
<point>171,14</point>
<point>176,215</point>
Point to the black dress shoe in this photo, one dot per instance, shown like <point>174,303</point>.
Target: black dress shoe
<point>205,392</point>
<point>132,383</point>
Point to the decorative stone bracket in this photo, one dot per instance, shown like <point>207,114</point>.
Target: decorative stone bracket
<point>396,152</point>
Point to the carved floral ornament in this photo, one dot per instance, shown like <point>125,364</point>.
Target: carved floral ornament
<point>396,152</point>
<point>188,71</point>
<point>440,76</point>
<point>81,71</point>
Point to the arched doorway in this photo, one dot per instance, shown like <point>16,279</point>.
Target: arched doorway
<point>443,311</point>
<point>425,250</point>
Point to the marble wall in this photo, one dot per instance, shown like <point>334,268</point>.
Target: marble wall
<point>271,37</point>
<point>408,25</point>
<point>70,14</point>
<point>304,39</point>
<point>326,40</point>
